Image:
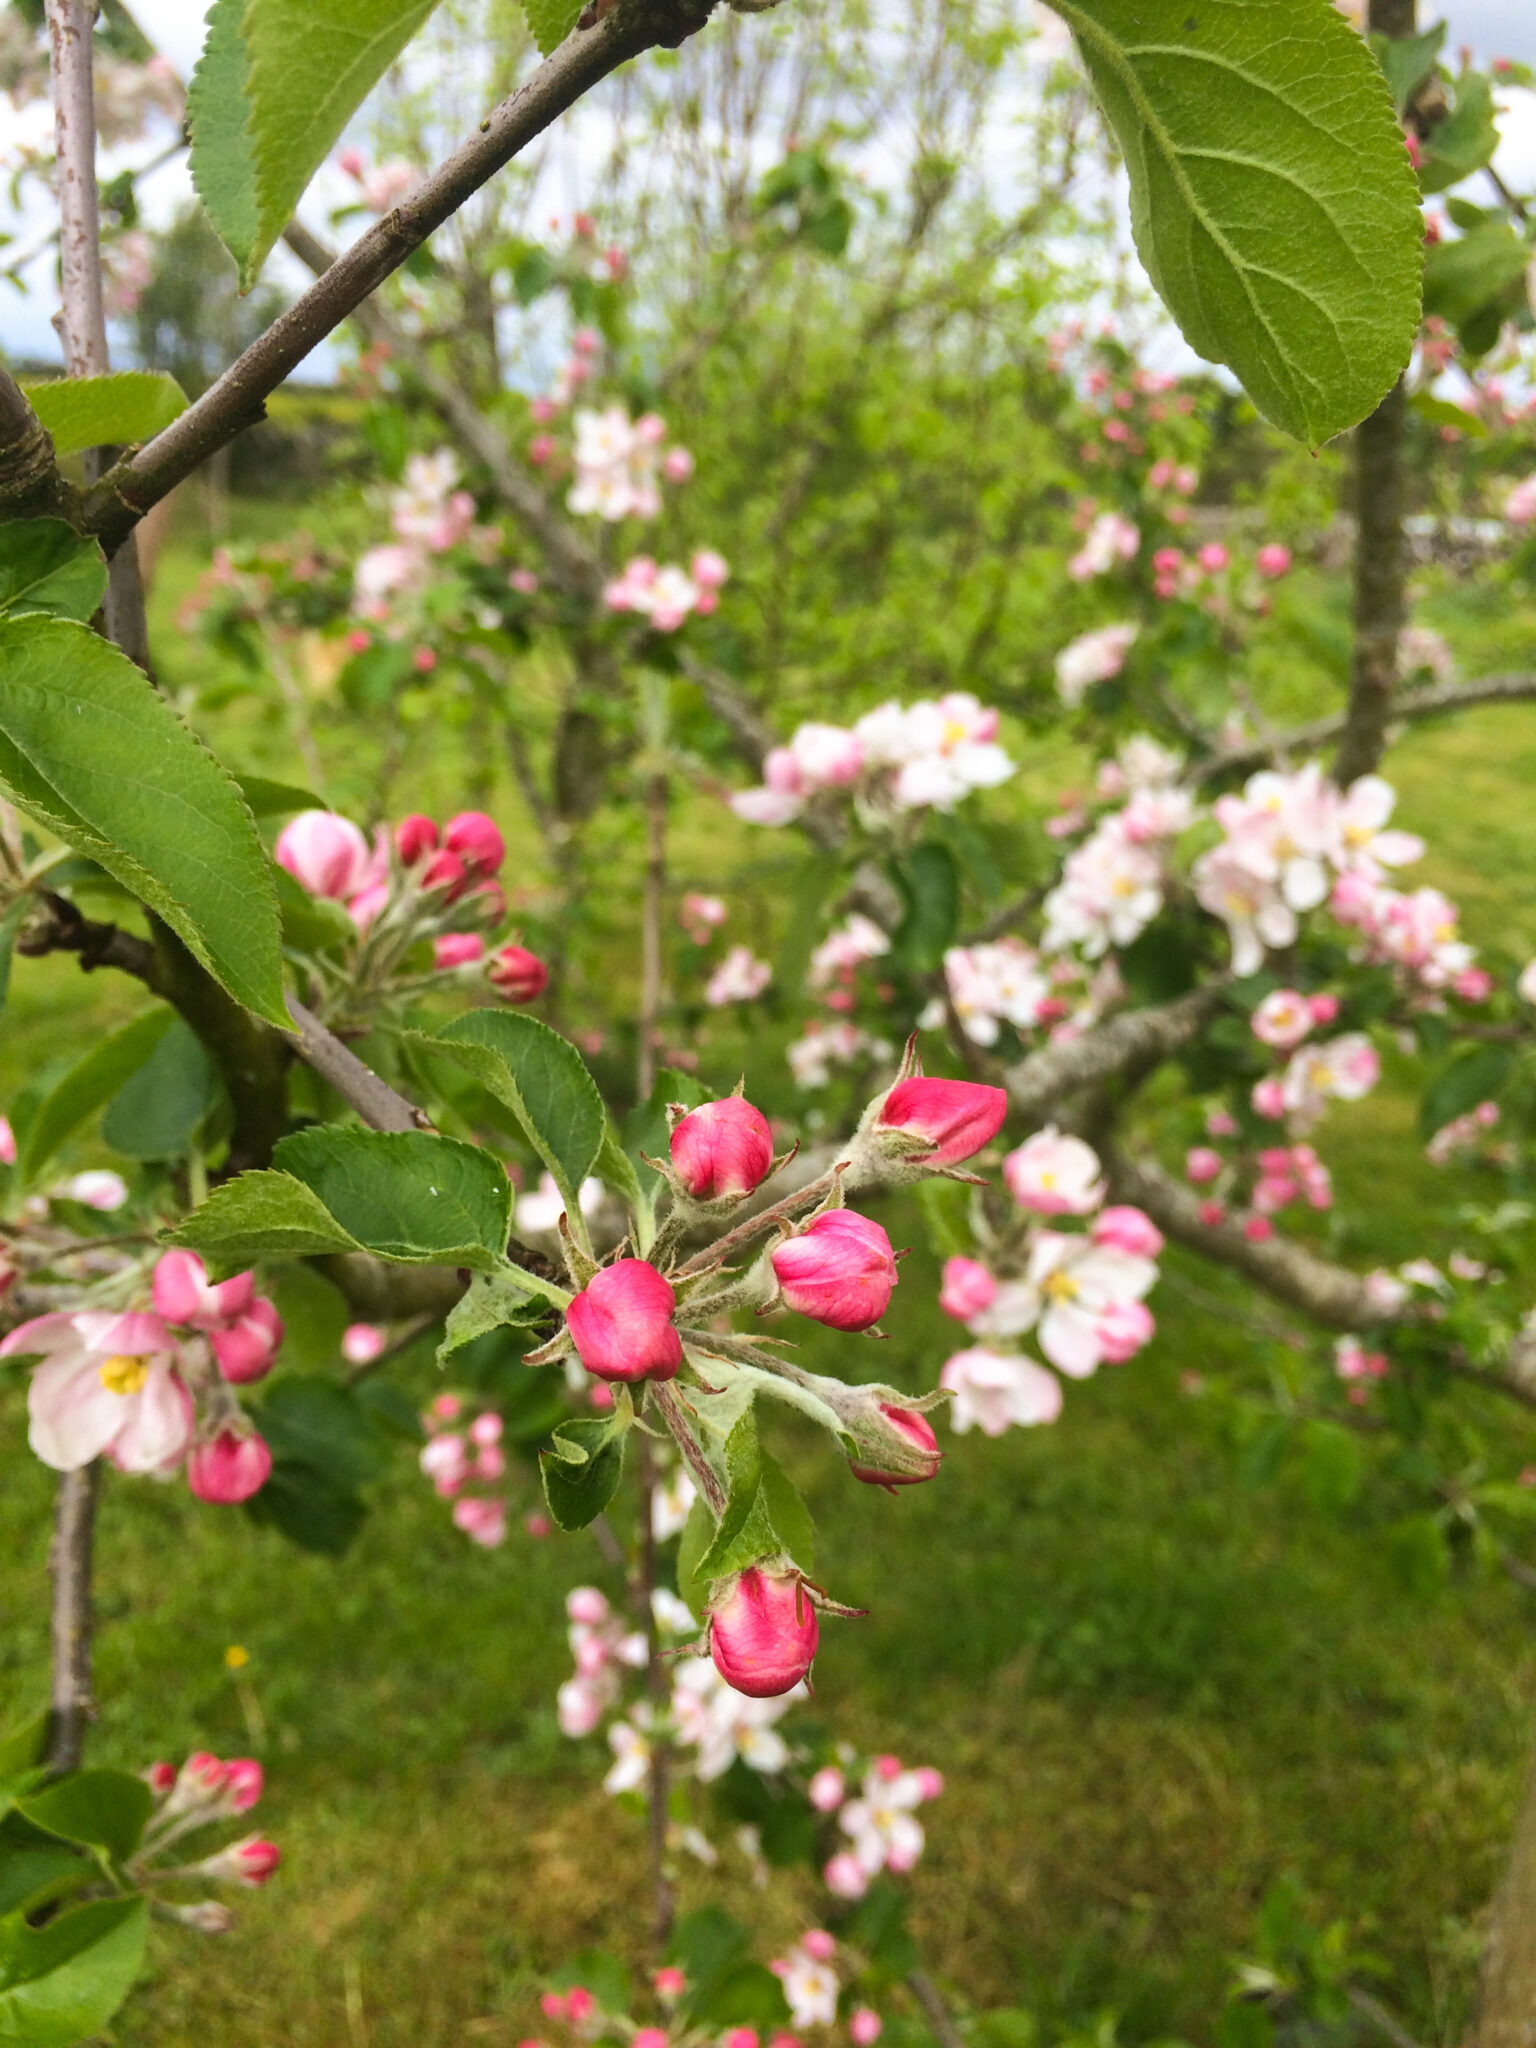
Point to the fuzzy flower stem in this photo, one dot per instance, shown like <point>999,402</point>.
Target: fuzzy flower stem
<point>803,1198</point>
<point>670,1408</point>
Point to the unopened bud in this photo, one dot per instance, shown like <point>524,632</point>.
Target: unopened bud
<point>250,1861</point>
<point>896,1446</point>
<point>205,1916</point>
<point>840,1270</point>
<point>721,1149</point>
<point>243,1782</point>
<point>952,1120</point>
<point>477,841</point>
<point>517,975</point>
<point>230,1467</point>
<point>762,1631</point>
<point>621,1323</point>
<point>246,1348</point>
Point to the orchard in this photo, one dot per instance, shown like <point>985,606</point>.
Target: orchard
<point>768,1061</point>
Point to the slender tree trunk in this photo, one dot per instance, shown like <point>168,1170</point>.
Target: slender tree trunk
<point>1379,542</point>
<point>71,1702</point>
<point>650,931</point>
<point>659,1788</point>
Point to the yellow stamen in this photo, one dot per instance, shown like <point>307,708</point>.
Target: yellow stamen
<point>120,1375</point>
<point>1061,1287</point>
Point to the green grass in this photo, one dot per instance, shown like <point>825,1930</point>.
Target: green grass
<point>1156,1681</point>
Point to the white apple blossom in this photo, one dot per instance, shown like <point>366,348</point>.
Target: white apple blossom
<point>846,948</point>
<point>740,978</point>
<point>1000,981</point>
<point>1111,888</point>
<point>882,1823</point>
<point>812,1056</point>
<point>1054,1174</point>
<point>1085,1290</point>
<point>1092,658</point>
<point>1109,541</point>
<point>994,1390</point>
<point>1341,1069</point>
<point>810,1988</point>
<point>107,1385</point>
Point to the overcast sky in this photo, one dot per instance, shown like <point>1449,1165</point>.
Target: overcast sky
<point>1490,27</point>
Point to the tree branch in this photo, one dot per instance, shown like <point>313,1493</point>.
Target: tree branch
<point>1127,1047</point>
<point>237,400</point>
<point>1432,701</point>
<point>71,1701</point>
<point>30,484</point>
<point>1380,583</point>
<point>379,1105</point>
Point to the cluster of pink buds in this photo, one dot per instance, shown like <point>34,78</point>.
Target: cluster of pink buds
<point>1281,1175</point>
<point>419,882</point>
<point>1358,1368</point>
<point>153,1389</point>
<point>205,1790</point>
<point>462,1454</point>
<point>880,1820</point>
<point>665,596</point>
<point>602,1649</point>
<point>639,1324</point>
<point>1463,1135</point>
<point>898,757</point>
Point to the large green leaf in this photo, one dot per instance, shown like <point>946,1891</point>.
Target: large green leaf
<point>82,1091</point>
<point>155,1112</point>
<point>262,1215</point>
<point>1272,199</point>
<point>104,1809</point>
<point>93,751</point>
<point>405,1194</point>
<point>45,566</point>
<point>106,412</point>
<point>222,159</point>
<point>309,66</point>
<point>61,1983</point>
<point>543,1080</point>
<point>551,21</point>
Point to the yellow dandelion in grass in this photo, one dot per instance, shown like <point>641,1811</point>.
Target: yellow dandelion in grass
<point>235,1658</point>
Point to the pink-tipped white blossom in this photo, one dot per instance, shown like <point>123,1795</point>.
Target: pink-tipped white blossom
<point>108,1385</point>
<point>326,853</point>
<point>1054,1174</point>
<point>994,1391</point>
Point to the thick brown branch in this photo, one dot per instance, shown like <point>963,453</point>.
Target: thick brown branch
<point>1432,701</point>
<point>1128,1047</point>
<point>30,484</point>
<point>238,398</point>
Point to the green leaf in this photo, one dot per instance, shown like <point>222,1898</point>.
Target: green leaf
<point>10,924</point>
<point>104,1809</point>
<point>261,1215</point>
<point>23,1751</point>
<point>1272,200</point>
<point>490,1302</point>
<point>698,1534</point>
<point>406,1195</point>
<point>222,159</point>
<point>311,924</point>
<point>93,751</point>
<point>82,1091</point>
<point>61,1983</point>
<point>1407,60</point>
<point>309,66</point>
<point>157,1110</point>
<point>45,566</point>
<point>1441,413</point>
<point>1465,140</point>
<point>578,1487</point>
<point>1475,1076</point>
<point>32,1877</point>
<point>543,1080</point>
<point>551,22</point>
<point>788,1513</point>
<point>269,799</point>
<point>308,1507</point>
<point>745,1532</point>
<point>311,1420</point>
<point>1484,267</point>
<point>106,412</point>
<point>929,883</point>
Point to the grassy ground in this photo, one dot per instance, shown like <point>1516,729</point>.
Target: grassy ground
<point>1156,1680</point>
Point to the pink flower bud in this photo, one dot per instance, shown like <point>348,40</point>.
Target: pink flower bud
<point>250,1862</point>
<point>1123,1328</point>
<point>914,1450</point>
<point>1473,984</point>
<point>483,1521</point>
<point>230,1468</point>
<point>585,1604</point>
<point>1212,1213</point>
<point>204,1916</point>
<point>649,2037</point>
<point>245,1349</point>
<point>1324,1008</point>
<point>709,570</point>
<point>517,975</point>
<point>956,1117</point>
<point>865,2027</point>
<point>365,906</point>
<point>1125,1229</point>
<point>839,1270</point>
<point>930,1783</point>
<point>845,1876</point>
<point>741,2037</point>
<point>486,1429</point>
<point>677,465</point>
<point>827,1789</point>
<point>414,836</point>
<point>447,1407</point>
<point>552,2005</point>
<point>476,840</point>
<point>762,1632</point>
<point>445,871</point>
<point>1201,1164</point>
<point>621,1324</point>
<point>669,1982</point>
<point>1258,1229</point>
<point>1273,559</point>
<point>160,1777</point>
<point>243,1782</point>
<point>328,854</point>
<point>1221,1123</point>
<point>722,1148</point>
<point>1269,1097</point>
<point>968,1288</point>
<point>819,1945</point>
<point>457,949</point>
<point>579,2003</point>
<point>183,1293</point>
<point>1212,557</point>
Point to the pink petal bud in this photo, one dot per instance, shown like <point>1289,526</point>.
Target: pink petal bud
<point>913,1453</point>
<point>243,1783</point>
<point>230,1468</point>
<point>827,1789</point>
<point>1273,559</point>
<point>1123,1328</point>
<point>845,1876</point>
<point>517,975</point>
<point>865,2027</point>
<point>669,1982</point>
<point>328,854</point>
<point>1125,1229</point>
<point>930,1783</point>
<point>245,1349</point>
<point>1201,1164</point>
<point>968,1289</point>
<point>957,1117</point>
<point>414,836</point>
<point>250,1862</point>
<point>722,1148</point>
<point>447,872</point>
<point>477,841</point>
<point>621,1324</point>
<point>839,1270</point>
<point>819,1945</point>
<point>762,1632</point>
<point>587,1605</point>
<point>457,949</point>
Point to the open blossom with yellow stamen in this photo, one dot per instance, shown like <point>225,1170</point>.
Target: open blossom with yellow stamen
<point>108,1385</point>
